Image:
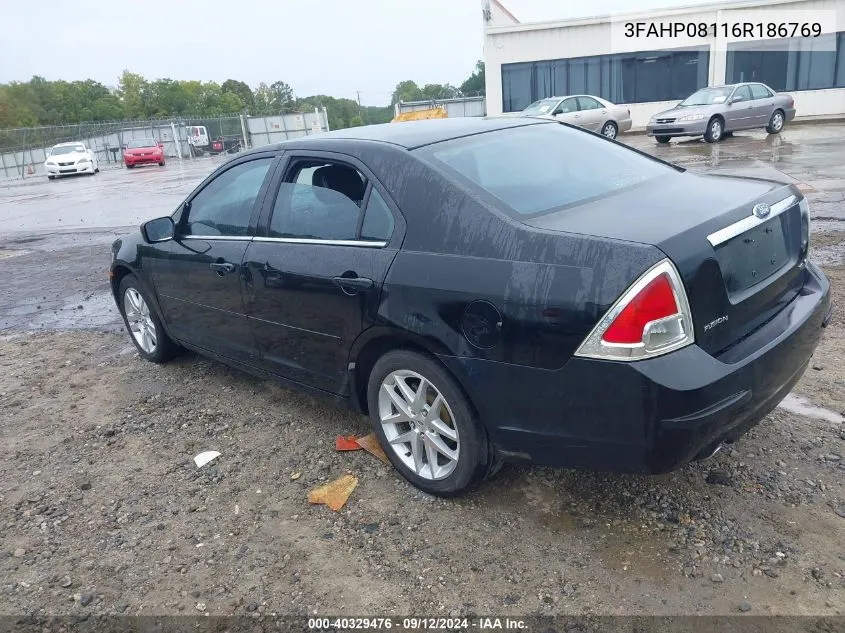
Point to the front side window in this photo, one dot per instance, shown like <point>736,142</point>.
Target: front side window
<point>538,168</point>
<point>321,201</point>
<point>743,93</point>
<point>759,92</point>
<point>224,207</point>
<point>588,103</point>
<point>568,105</point>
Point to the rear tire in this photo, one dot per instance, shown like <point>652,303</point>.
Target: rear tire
<point>663,140</point>
<point>130,166</point>
<point>775,122</point>
<point>161,164</point>
<point>51,177</point>
<point>430,411</point>
<point>715,130</point>
<point>143,323</point>
<point>610,130</point>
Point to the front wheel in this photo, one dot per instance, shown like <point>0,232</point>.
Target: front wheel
<point>161,164</point>
<point>143,323</point>
<point>426,424</point>
<point>663,139</point>
<point>610,129</point>
<point>715,130</point>
<point>775,123</point>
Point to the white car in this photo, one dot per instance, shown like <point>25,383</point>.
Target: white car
<point>587,111</point>
<point>71,158</point>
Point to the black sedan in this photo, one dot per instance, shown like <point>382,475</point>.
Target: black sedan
<point>489,290</point>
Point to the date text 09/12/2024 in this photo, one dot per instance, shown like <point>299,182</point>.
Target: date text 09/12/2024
<point>723,29</point>
<point>416,624</point>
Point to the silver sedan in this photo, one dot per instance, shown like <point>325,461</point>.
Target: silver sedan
<point>587,111</point>
<point>720,110</point>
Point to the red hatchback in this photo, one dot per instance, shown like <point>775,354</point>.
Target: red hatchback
<point>143,151</point>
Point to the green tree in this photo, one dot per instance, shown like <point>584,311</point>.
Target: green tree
<point>440,91</point>
<point>132,92</point>
<point>407,90</point>
<point>242,90</point>
<point>277,98</point>
<point>475,85</point>
<point>356,121</point>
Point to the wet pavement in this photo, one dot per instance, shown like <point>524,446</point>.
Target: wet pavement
<point>54,235</point>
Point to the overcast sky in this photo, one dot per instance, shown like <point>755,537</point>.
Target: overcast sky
<point>334,47</point>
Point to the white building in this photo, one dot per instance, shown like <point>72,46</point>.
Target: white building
<point>530,61</point>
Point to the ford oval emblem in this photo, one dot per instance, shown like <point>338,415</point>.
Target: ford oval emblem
<point>761,210</point>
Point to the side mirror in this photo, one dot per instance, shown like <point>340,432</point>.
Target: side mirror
<point>158,230</point>
<point>736,99</point>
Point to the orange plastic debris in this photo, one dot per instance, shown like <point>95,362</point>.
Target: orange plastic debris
<point>370,444</point>
<point>346,443</point>
<point>334,494</point>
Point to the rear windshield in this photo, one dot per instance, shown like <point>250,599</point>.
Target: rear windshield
<point>141,142</point>
<point>539,168</point>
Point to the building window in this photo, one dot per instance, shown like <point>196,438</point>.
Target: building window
<point>621,78</point>
<point>798,64</point>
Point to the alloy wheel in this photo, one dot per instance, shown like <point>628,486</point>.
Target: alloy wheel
<point>418,424</point>
<point>140,320</point>
<point>609,130</point>
<point>716,129</point>
<point>777,121</point>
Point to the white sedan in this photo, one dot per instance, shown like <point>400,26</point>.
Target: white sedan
<point>71,158</point>
<point>587,111</point>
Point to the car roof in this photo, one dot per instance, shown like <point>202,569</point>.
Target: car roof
<point>69,143</point>
<point>414,134</point>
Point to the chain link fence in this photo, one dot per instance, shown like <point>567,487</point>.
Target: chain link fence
<point>24,150</point>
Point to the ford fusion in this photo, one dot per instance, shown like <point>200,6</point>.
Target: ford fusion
<point>489,290</point>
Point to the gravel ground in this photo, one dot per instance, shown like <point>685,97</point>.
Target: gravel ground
<point>104,511</point>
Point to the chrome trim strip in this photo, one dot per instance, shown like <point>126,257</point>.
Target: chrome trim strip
<point>738,228</point>
<point>304,240</point>
<point>228,238</point>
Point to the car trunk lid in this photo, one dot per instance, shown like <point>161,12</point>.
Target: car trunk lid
<point>739,269</point>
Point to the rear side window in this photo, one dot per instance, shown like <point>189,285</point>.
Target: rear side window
<point>319,201</point>
<point>539,168</point>
<point>378,220</point>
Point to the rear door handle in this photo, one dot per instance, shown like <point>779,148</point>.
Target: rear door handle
<point>351,285</point>
<point>223,268</point>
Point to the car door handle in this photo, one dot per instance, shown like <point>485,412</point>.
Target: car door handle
<point>223,268</point>
<point>353,284</point>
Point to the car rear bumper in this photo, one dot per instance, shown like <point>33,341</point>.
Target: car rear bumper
<point>693,128</point>
<point>647,416</point>
<point>789,114</point>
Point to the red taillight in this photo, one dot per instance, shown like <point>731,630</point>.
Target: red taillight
<point>655,301</point>
<point>651,318</point>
